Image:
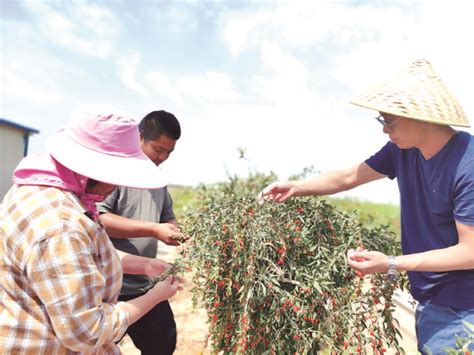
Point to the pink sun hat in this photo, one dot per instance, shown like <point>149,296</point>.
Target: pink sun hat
<point>106,148</point>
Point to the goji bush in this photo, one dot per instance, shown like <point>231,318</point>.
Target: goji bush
<point>274,277</point>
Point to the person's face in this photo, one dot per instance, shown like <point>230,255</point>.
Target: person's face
<point>158,150</point>
<point>101,188</point>
<point>403,132</point>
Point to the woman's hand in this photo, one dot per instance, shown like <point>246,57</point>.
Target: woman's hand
<point>138,307</point>
<point>167,288</point>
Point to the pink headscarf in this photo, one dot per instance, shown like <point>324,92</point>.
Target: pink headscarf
<point>44,170</point>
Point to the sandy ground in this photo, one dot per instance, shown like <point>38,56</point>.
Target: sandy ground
<point>192,328</point>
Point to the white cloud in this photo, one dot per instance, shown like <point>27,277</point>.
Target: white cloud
<point>309,23</point>
<point>127,72</point>
<point>304,25</point>
<point>17,85</point>
<point>199,89</point>
<point>27,72</point>
<point>161,84</point>
<point>239,30</point>
<point>182,20</point>
<point>283,77</point>
<point>359,45</point>
<point>87,29</point>
<point>282,64</point>
<point>207,87</point>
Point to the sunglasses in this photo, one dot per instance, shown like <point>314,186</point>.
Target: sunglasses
<point>386,123</point>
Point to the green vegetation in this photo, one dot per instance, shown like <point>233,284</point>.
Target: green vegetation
<point>184,200</point>
<point>370,214</point>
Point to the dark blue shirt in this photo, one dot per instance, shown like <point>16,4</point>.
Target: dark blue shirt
<point>434,193</point>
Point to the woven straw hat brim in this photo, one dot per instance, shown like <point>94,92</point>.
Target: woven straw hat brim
<point>415,93</point>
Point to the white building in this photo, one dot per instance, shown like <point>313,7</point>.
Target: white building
<point>14,140</point>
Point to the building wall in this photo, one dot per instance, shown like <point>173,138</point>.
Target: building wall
<point>11,152</point>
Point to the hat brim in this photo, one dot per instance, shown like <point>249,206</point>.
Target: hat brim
<point>137,172</point>
<point>392,111</point>
<point>415,93</point>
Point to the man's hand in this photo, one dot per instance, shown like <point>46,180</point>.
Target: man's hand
<point>367,262</point>
<point>277,192</point>
<point>155,267</point>
<point>168,233</point>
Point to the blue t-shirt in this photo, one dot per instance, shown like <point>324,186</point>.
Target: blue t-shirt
<point>434,193</point>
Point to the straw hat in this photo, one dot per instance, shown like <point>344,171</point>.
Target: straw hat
<point>106,148</point>
<point>415,93</point>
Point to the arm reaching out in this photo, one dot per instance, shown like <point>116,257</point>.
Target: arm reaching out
<point>324,184</point>
<point>123,227</point>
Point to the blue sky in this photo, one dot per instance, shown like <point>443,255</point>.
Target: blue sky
<point>272,77</point>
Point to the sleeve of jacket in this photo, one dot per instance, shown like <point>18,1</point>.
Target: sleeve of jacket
<point>65,275</point>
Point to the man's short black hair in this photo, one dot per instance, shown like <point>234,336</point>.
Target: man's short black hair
<point>156,123</point>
